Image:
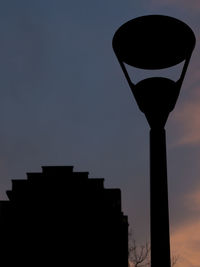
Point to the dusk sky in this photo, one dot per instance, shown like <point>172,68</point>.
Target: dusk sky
<point>64,101</point>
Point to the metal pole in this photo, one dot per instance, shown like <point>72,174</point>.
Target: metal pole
<point>159,213</point>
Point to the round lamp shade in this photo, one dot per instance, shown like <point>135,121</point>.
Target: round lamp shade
<point>153,42</point>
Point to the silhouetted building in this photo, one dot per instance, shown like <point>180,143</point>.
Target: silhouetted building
<point>63,218</point>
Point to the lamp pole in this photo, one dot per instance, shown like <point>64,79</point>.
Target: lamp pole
<point>159,215</point>
<point>156,42</point>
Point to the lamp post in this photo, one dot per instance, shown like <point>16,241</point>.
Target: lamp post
<point>156,42</point>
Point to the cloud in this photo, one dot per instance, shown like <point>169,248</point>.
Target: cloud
<point>192,201</point>
<point>186,244</point>
<point>186,118</point>
<point>185,239</point>
<point>192,4</point>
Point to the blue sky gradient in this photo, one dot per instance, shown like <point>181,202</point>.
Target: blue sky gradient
<point>65,101</point>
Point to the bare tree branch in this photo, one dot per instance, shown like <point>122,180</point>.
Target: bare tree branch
<point>139,255</point>
<point>174,259</point>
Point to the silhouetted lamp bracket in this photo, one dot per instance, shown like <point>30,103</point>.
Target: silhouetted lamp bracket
<point>154,42</point>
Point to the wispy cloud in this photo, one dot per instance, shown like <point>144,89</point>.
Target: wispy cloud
<point>186,116</point>
<point>186,243</point>
<point>192,4</point>
<point>192,201</point>
<point>187,119</point>
<point>185,239</point>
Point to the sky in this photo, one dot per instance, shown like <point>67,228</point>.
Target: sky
<point>65,101</point>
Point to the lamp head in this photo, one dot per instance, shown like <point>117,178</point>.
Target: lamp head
<point>154,42</point>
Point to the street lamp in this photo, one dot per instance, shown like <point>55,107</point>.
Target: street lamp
<point>156,42</point>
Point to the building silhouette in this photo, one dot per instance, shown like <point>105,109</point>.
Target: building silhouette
<point>63,218</point>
